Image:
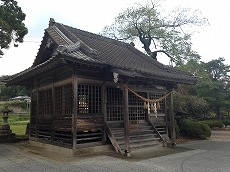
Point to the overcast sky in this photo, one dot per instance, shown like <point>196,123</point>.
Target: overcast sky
<point>211,42</point>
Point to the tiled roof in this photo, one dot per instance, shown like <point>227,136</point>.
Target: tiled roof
<point>81,46</point>
<point>125,56</point>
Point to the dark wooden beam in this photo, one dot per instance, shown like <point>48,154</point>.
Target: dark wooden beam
<point>172,121</point>
<point>104,102</point>
<point>126,120</point>
<point>31,96</point>
<point>74,112</point>
<point>166,115</point>
<point>53,114</point>
<point>37,114</point>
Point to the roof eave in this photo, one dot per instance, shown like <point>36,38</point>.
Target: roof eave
<point>33,71</point>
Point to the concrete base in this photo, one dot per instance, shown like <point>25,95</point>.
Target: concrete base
<point>171,144</point>
<point>72,152</point>
<point>128,154</point>
<point>7,138</point>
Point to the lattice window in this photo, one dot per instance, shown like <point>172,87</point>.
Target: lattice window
<point>58,101</point>
<point>68,99</point>
<point>89,99</point>
<point>136,107</point>
<point>64,101</point>
<point>114,104</point>
<point>45,103</point>
<point>156,96</point>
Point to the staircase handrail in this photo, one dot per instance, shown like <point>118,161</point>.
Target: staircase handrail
<point>112,139</point>
<point>157,132</point>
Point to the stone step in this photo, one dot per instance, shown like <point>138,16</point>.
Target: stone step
<point>137,137</point>
<point>136,132</point>
<point>141,135</point>
<point>139,145</point>
<point>136,140</point>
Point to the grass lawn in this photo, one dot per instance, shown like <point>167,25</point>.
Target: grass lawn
<point>18,129</point>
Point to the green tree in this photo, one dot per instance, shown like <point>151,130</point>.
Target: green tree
<point>189,105</point>
<point>196,68</point>
<point>12,28</point>
<point>216,90</point>
<point>217,70</point>
<point>213,85</point>
<point>12,91</point>
<point>158,34</point>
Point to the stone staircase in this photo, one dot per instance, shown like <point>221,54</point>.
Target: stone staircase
<point>142,134</point>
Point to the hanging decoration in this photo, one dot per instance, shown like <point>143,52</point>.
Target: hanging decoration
<point>155,108</point>
<point>158,105</point>
<point>148,106</point>
<point>153,103</point>
<point>145,105</point>
<point>152,107</point>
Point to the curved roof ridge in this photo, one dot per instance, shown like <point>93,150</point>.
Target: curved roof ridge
<point>64,37</point>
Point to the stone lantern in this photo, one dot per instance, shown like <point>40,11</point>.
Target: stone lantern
<point>6,134</point>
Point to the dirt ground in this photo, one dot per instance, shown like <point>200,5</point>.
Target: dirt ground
<point>220,134</point>
<point>136,155</point>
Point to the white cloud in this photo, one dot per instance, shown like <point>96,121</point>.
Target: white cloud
<point>18,59</point>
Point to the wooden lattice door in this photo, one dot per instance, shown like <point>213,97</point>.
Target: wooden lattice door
<point>114,104</point>
<point>136,108</point>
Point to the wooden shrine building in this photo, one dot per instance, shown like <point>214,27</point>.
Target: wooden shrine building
<point>88,90</point>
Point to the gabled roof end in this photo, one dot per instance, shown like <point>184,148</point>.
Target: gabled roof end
<point>51,22</point>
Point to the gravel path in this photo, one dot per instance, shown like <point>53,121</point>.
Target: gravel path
<point>197,156</point>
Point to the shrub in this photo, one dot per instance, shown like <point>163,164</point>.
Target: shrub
<point>19,104</point>
<point>15,119</point>
<point>190,105</point>
<point>193,129</point>
<point>16,104</point>
<point>226,122</point>
<point>213,123</point>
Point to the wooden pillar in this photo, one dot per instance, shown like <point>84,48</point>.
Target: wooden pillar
<point>104,111</point>
<point>31,99</point>
<point>166,116</point>
<point>172,121</point>
<point>37,114</point>
<point>53,114</point>
<point>74,111</point>
<point>126,120</point>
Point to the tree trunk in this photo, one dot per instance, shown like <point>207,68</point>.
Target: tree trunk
<point>218,112</point>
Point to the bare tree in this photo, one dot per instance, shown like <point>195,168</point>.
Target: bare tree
<point>158,34</point>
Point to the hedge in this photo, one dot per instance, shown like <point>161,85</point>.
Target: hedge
<point>226,122</point>
<point>193,129</point>
<point>213,123</point>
